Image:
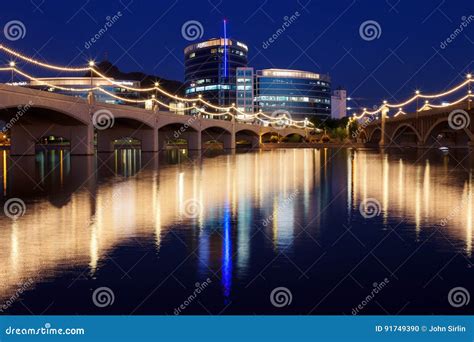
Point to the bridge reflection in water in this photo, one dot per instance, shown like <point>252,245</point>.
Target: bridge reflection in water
<point>78,212</point>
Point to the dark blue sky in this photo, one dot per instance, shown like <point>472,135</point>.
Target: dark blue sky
<point>324,38</point>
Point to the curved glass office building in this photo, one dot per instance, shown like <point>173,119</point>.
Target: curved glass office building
<point>210,69</point>
<point>303,94</point>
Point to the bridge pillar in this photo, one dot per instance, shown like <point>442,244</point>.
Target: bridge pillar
<point>195,140</point>
<point>384,115</point>
<point>82,140</point>
<point>150,140</point>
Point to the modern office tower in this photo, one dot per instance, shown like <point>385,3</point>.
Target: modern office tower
<point>210,69</point>
<point>302,94</point>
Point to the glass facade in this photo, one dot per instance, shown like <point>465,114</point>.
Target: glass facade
<point>245,92</point>
<point>303,94</point>
<point>210,69</point>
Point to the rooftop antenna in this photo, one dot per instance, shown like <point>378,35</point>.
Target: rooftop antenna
<point>225,47</point>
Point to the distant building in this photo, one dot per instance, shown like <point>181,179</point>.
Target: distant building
<point>84,83</point>
<point>210,69</point>
<point>245,91</point>
<point>339,104</point>
<point>302,94</point>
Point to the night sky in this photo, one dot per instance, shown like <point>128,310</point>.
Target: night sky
<point>325,38</point>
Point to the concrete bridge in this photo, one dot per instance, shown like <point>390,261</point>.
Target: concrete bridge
<point>448,126</point>
<point>32,115</point>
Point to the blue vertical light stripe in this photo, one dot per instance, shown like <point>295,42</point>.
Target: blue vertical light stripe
<point>225,48</point>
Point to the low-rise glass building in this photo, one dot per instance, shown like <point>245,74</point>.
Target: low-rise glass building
<point>301,93</point>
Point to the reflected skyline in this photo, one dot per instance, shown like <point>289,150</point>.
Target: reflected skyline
<point>221,212</point>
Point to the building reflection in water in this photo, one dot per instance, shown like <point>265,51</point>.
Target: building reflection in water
<point>132,196</point>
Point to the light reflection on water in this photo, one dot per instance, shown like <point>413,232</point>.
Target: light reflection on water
<point>249,206</point>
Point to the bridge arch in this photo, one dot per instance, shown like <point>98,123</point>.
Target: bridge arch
<point>406,134</point>
<point>296,136</point>
<point>375,136</point>
<point>247,137</point>
<point>176,134</point>
<point>271,137</point>
<point>218,134</point>
<point>28,123</point>
<point>125,132</point>
<point>441,133</point>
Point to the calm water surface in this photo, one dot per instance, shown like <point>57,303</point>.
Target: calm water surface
<point>150,227</point>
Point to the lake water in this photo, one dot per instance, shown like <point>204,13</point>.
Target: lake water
<point>343,231</point>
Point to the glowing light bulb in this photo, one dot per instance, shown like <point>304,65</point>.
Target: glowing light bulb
<point>91,63</point>
<point>417,92</point>
<point>469,76</point>
<point>12,64</point>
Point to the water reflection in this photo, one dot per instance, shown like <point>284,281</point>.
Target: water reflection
<point>417,191</point>
<point>80,209</point>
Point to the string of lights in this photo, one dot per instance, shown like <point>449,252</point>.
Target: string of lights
<point>90,67</point>
<point>291,123</point>
<point>419,95</point>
